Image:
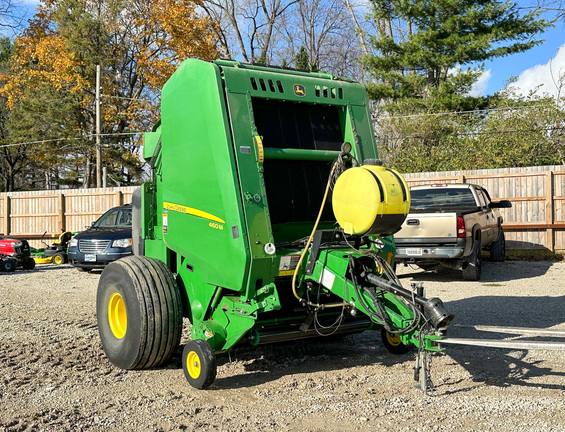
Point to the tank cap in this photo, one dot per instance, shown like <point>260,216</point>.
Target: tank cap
<point>372,162</point>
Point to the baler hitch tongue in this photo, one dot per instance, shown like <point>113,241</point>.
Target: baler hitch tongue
<point>514,343</point>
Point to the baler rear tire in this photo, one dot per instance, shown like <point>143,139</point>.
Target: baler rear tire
<point>139,312</point>
<point>393,343</point>
<point>199,364</point>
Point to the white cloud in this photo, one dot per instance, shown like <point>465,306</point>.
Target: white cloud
<point>543,80</point>
<point>480,87</point>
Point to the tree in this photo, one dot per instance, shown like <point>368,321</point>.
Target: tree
<point>421,48</point>
<point>138,46</point>
<point>245,28</point>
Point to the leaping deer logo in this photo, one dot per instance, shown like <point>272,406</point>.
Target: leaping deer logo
<point>299,90</point>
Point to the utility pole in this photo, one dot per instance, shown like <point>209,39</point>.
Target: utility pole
<point>98,145</point>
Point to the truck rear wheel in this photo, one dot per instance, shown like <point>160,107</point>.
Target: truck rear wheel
<point>473,271</point>
<point>199,364</point>
<point>498,249</point>
<point>139,312</point>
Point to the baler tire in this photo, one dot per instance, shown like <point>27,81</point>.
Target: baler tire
<point>199,364</point>
<point>473,270</point>
<point>139,312</point>
<point>498,249</point>
<point>28,264</point>
<point>8,265</point>
<point>60,258</point>
<point>393,343</point>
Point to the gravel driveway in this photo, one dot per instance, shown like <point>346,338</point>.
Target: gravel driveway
<point>54,375</point>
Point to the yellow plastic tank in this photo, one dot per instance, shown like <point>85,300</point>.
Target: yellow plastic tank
<point>370,200</point>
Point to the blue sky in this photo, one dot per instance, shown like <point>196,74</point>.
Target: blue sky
<point>528,64</point>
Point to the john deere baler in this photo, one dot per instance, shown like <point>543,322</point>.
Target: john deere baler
<point>269,218</point>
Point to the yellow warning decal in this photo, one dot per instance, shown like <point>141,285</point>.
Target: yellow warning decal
<point>260,152</point>
<point>191,211</point>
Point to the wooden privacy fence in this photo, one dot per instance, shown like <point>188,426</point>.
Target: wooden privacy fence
<point>536,219</point>
<point>30,214</point>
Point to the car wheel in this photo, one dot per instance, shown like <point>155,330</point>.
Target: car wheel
<point>498,249</point>
<point>473,271</point>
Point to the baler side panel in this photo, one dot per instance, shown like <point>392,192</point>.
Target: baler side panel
<point>201,208</point>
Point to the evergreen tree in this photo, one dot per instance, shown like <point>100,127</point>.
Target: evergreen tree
<point>423,46</point>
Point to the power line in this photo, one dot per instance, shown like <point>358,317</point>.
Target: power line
<point>87,137</point>
<point>478,111</point>
<point>464,134</point>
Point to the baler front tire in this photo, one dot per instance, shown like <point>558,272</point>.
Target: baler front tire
<point>393,343</point>
<point>199,364</point>
<point>139,312</point>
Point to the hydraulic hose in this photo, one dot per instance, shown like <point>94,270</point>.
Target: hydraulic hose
<point>296,270</point>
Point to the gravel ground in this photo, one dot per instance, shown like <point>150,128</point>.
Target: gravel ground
<point>54,375</point>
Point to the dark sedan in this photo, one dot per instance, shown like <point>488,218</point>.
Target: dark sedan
<point>108,239</point>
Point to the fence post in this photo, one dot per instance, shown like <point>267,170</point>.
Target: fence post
<point>62,212</point>
<point>461,178</point>
<point>6,224</point>
<point>119,198</point>
<point>549,210</point>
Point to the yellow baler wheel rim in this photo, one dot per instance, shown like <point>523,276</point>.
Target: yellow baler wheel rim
<point>117,316</point>
<point>393,339</point>
<point>193,365</point>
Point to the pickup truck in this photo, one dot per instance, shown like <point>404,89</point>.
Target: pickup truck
<point>450,224</point>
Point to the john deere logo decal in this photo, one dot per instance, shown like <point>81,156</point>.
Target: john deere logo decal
<point>299,90</point>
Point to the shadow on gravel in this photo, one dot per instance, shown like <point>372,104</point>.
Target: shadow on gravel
<point>491,272</point>
<point>270,362</point>
<point>505,367</point>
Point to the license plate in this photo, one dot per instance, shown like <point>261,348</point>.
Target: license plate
<point>90,257</point>
<point>414,251</point>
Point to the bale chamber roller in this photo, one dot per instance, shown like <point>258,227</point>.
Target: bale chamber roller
<point>268,219</point>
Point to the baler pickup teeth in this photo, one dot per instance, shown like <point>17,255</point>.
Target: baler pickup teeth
<point>511,344</point>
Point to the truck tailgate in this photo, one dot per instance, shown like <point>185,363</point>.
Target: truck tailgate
<point>424,226</point>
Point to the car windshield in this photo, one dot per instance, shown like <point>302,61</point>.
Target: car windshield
<point>118,217</point>
<point>442,197</point>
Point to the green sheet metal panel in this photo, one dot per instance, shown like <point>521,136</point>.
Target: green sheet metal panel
<point>201,209</point>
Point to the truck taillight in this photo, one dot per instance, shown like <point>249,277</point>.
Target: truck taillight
<point>460,227</point>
